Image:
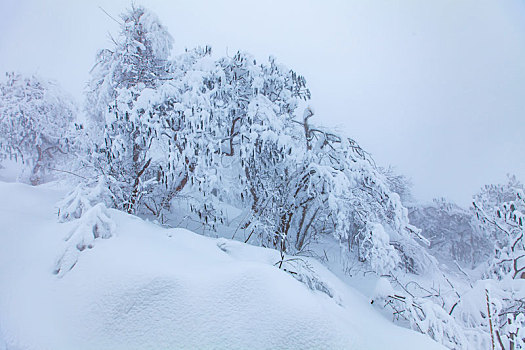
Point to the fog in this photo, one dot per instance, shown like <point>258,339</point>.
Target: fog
<point>435,88</point>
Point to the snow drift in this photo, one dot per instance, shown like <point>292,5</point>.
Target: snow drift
<point>148,287</point>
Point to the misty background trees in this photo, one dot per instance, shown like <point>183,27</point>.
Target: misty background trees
<point>36,125</point>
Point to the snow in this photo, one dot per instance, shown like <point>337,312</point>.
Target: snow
<point>383,288</point>
<point>148,287</point>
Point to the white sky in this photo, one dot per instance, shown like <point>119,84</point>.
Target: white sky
<point>435,88</point>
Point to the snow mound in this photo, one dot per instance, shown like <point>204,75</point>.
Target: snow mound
<point>152,288</point>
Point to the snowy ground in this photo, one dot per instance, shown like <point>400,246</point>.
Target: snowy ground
<point>154,288</point>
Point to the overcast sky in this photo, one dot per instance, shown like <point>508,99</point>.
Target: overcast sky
<point>435,88</point>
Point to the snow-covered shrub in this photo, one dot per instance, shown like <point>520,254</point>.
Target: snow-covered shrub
<point>492,313</point>
<point>82,198</point>
<point>95,223</point>
<point>500,210</point>
<point>322,183</point>
<point>513,332</point>
<point>489,312</point>
<point>429,318</point>
<point>305,273</point>
<point>36,122</point>
<point>299,268</point>
<point>422,310</point>
<point>85,208</point>
<point>376,249</point>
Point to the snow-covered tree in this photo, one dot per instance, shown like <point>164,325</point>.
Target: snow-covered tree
<point>229,131</point>
<point>326,184</point>
<point>123,101</point>
<point>36,121</point>
<point>137,60</point>
<point>299,181</point>
<point>254,106</point>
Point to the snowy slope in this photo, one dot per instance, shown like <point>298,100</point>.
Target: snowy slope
<point>154,288</point>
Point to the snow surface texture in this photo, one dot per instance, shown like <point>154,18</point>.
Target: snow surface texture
<point>148,287</point>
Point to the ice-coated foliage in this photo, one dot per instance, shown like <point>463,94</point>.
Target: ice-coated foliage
<point>36,121</point>
<point>500,210</point>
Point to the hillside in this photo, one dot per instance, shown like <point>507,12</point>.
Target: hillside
<point>154,288</point>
